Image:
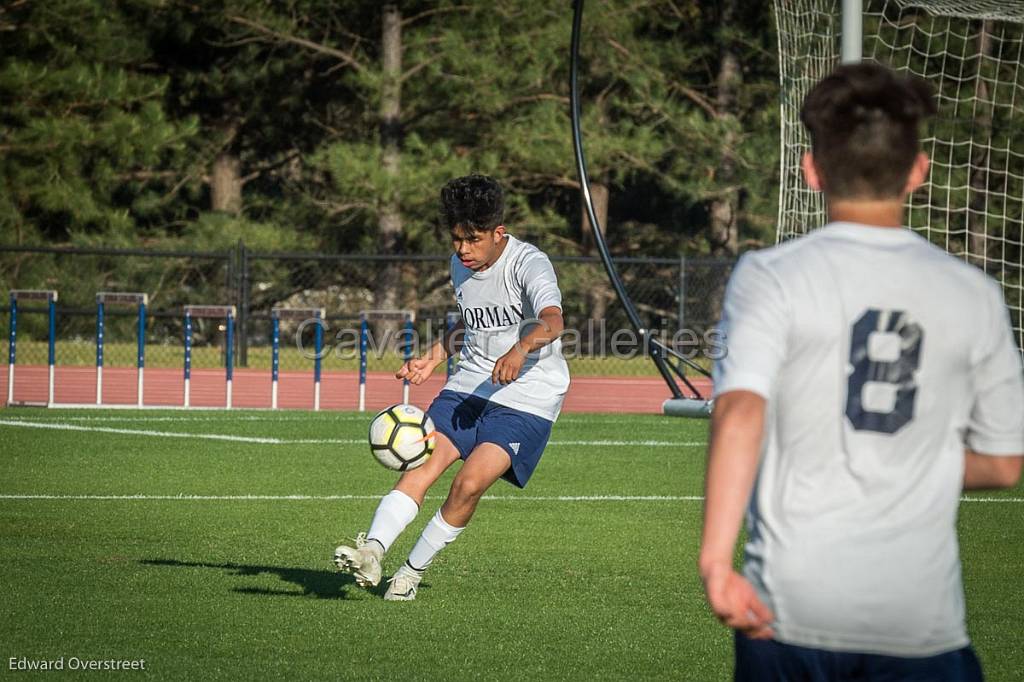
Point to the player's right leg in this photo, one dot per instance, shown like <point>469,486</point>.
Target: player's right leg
<point>396,510</point>
<point>485,464</point>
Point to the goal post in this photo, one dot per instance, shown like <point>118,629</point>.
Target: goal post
<point>852,33</point>
<point>972,54</point>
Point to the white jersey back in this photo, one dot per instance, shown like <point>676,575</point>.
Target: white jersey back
<point>494,303</point>
<point>881,358</point>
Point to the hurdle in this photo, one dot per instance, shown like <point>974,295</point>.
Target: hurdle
<point>103,299</point>
<point>408,317</point>
<point>50,296</point>
<point>210,312</point>
<point>317,315</point>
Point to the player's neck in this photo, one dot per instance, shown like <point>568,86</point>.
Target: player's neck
<point>496,255</point>
<point>887,213</point>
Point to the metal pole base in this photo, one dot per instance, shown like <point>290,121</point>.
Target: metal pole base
<point>687,407</point>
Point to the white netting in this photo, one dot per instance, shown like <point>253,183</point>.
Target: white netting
<point>971,51</point>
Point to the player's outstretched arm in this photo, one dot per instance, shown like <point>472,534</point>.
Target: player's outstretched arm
<point>549,326</point>
<point>994,442</point>
<point>419,369</point>
<point>990,472</point>
<point>736,430</point>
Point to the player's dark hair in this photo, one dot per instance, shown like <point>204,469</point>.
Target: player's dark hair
<point>472,203</point>
<point>863,120</point>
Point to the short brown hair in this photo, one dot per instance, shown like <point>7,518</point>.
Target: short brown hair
<point>863,120</point>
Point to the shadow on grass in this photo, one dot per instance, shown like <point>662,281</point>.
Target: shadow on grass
<point>316,584</point>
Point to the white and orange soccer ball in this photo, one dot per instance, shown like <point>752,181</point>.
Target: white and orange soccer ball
<point>401,437</point>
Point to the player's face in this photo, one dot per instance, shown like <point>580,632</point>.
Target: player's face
<point>478,249</point>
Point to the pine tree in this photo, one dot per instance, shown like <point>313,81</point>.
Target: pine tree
<point>84,133</point>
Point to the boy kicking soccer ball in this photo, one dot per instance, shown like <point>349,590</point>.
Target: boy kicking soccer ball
<point>497,410</point>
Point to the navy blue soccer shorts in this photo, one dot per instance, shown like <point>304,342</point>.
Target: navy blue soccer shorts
<point>468,420</point>
<point>759,660</point>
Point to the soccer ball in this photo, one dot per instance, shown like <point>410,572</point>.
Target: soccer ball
<point>401,437</point>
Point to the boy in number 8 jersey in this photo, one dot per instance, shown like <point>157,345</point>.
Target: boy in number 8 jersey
<point>497,410</point>
<point>870,377</point>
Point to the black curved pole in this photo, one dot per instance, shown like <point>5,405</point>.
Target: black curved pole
<point>581,168</point>
<point>657,350</point>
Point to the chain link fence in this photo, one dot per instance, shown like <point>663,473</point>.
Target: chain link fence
<point>671,294</point>
<point>171,278</point>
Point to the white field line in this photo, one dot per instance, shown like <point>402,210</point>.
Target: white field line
<point>320,498</point>
<point>140,432</point>
<point>336,498</point>
<point>262,440</point>
<point>225,416</point>
<point>644,443</point>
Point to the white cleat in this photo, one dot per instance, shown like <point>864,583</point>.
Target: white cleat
<point>362,561</point>
<point>403,584</point>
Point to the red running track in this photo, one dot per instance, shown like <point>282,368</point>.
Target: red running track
<point>338,390</point>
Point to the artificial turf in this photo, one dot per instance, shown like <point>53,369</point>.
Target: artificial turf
<point>588,573</point>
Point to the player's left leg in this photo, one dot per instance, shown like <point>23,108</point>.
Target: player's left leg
<point>454,416</point>
<point>509,445</point>
<point>395,511</point>
<point>485,465</point>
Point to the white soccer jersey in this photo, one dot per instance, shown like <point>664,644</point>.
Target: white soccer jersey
<point>494,304</point>
<point>881,358</point>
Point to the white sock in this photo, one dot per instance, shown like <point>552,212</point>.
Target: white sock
<point>436,535</point>
<point>395,511</point>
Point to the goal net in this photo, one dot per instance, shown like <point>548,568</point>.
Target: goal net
<point>971,53</point>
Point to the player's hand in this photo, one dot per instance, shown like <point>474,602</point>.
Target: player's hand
<point>507,368</point>
<point>416,371</point>
<point>735,602</point>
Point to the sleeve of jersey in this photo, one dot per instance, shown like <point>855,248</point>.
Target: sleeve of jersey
<point>540,282</point>
<point>754,326</point>
<point>996,426</point>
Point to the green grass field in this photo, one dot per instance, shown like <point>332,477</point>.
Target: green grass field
<point>221,583</point>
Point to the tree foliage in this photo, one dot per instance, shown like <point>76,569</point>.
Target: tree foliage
<point>171,123</point>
